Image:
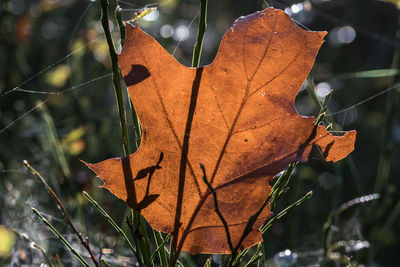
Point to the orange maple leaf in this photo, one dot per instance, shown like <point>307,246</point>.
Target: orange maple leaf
<point>236,116</point>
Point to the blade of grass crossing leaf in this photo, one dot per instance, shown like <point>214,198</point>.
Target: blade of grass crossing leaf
<point>135,118</point>
<point>195,63</point>
<point>143,244</point>
<point>60,237</point>
<point>116,76</point>
<point>136,125</point>
<point>110,220</point>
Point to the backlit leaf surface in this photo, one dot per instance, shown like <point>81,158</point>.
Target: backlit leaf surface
<point>236,116</point>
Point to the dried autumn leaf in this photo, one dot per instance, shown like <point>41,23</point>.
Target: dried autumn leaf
<point>236,116</point>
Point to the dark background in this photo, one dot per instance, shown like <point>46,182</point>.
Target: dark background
<point>82,123</point>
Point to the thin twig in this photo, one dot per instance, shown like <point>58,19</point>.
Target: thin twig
<point>228,235</point>
<point>60,205</point>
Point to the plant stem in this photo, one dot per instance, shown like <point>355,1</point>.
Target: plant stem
<point>257,255</point>
<point>392,117</point>
<point>162,253</point>
<point>62,239</point>
<point>55,143</point>
<point>116,76</point>
<point>35,246</point>
<point>286,210</point>
<point>195,63</point>
<point>121,25</point>
<point>135,234</point>
<point>200,34</point>
<point>110,220</point>
<point>160,249</point>
<point>60,205</point>
<point>247,230</point>
<point>336,213</point>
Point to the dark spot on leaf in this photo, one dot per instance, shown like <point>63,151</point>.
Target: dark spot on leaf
<point>137,74</point>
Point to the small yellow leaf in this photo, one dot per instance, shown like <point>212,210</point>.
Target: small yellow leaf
<point>7,238</point>
<point>59,76</point>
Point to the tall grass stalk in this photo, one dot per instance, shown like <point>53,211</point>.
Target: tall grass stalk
<point>116,76</point>
<point>61,238</point>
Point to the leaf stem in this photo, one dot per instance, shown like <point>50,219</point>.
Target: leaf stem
<point>62,239</point>
<point>200,34</point>
<point>116,75</point>
<point>60,205</point>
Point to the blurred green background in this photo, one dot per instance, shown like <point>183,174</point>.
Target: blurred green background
<point>57,106</point>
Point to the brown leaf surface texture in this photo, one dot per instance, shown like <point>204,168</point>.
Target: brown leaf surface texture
<point>236,116</point>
